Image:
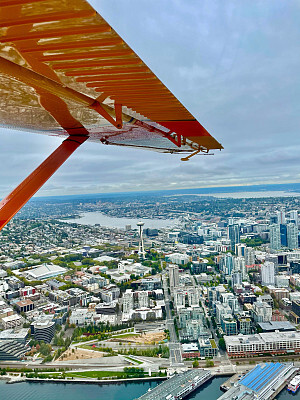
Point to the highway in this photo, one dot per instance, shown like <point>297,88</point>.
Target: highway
<point>174,345</point>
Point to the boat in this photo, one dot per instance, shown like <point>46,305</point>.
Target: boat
<point>294,385</point>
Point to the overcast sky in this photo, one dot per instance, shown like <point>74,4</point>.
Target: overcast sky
<point>234,64</point>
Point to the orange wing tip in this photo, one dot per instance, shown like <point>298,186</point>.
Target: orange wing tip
<point>193,131</point>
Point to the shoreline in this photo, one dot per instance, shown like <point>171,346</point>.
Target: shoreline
<point>11,380</point>
<point>85,381</point>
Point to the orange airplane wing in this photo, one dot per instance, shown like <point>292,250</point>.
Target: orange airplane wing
<point>64,71</point>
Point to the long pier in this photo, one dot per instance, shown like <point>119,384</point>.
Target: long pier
<point>178,386</point>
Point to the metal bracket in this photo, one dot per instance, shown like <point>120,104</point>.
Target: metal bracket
<point>176,140</point>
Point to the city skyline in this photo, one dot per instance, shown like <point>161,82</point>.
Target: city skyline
<point>235,58</point>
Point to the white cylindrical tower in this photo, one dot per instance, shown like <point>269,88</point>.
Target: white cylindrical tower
<point>141,241</point>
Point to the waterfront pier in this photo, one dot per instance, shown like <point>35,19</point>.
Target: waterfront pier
<point>263,382</point>
<point>178,386</point>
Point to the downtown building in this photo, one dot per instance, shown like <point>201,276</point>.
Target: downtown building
<point>261,343</point>
<point>173,276</point>
<point>233,235</point>
<point>292,236</point>
<point>268,273</point>
<point>275,237</point>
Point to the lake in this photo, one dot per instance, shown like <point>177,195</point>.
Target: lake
<point>92,218</point>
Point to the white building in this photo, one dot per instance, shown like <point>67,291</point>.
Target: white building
<point>249,256</point>
<point>179,297</point>
<point>270,342</point>
<point>12,321</point>
<point>282,281</point>
<point>193,297</point>
<point>275,243</point>
<point>240,249</point>
<point>268,273</point>
<point>236,278</point>
<point>262,311</point>
<point>45,271</point>
<point>294,216</point>
<point>178,258</point>
<point>128,301</point>
<point>143,299</point>
<point>221,310</point>
<point>239,265</point>
<point>292,236</point>
<point>281,217</point>
<point>82,316</point>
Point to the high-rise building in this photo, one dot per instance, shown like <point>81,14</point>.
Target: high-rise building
<point>179,297</point>
<point>275,243</point>
<point>127,301</point>
<point>292,236</point>
<point>283,235</point>
<point>273,219</point>
<point>227,264</point>
<point>173,276</point>
<point>193,297</point>
<point>236,278</point>
<point>233,235</point>
<point>268,273</point>
<point>143,299</point>
<point>239,265</point>
<point>262,312</point>
<point>240,249</point>
<point>281,217</point>
<point>294,216</point>
<point>249,256</point>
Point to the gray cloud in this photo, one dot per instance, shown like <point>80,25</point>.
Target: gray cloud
<point>233,64</point>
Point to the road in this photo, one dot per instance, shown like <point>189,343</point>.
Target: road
<point>222,355</point>
<point>174,345</point>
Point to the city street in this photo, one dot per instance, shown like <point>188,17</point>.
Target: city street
<point>174,345</point>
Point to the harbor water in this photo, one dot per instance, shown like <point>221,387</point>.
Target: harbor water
<point>129,391</point>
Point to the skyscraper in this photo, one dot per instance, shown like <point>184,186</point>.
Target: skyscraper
<point>294,216</point>
<point>173,276</point>
<point>292,236</point>
<point>233,235</point>
<point>239,265</point>
<point>273,219</point>
<point>226,263</point>
<point>240,249</point>
<point>249,256</point>
<point>275,243</point>
<point>236,278</point>
<point>283,235</point>
<point>281,217</point>
<point>268,273</point>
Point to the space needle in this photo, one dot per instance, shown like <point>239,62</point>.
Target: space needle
<point>141,241</point>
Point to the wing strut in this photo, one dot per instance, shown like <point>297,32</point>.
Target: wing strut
<point>11,204</point>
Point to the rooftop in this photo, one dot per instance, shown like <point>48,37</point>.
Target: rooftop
<point>46,271</point>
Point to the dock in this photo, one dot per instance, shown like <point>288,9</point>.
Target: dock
<point>229,383</point>
<point>178,386</point>
<point>263,382</point>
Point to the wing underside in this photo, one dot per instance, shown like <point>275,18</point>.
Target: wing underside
<point>74,71</point>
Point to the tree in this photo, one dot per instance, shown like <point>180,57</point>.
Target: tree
<point>222,344</point>
<point>209,363</point>
<point>196,364</point>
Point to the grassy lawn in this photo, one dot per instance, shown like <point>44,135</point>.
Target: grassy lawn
<point>95,374</point>
<point>87,347</point>
<point>125,335</point>
<point>133,360</point>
